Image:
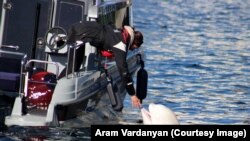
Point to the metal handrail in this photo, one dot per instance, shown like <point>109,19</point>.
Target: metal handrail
<point>72,47</point>
<point>9,46</point>
<point>45,62</point>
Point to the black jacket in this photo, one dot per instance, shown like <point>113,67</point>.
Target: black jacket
<point>105,37</point>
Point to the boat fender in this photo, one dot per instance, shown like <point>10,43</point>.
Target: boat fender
<point>141,82</point>
<point>114,96</point>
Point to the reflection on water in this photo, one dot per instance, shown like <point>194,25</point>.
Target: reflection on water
<point>198,60</point>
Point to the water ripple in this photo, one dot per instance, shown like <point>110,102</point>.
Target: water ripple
<point>198,58</point>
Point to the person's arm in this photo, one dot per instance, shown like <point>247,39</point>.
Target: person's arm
<point>120,58</point>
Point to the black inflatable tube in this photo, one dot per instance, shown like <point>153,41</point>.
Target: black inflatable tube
<point>114,96</point>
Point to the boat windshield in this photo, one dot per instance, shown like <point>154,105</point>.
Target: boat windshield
<point>69,13</point>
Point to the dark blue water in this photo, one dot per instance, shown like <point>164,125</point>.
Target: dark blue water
<point>198,62</point>
<point>198,58</point>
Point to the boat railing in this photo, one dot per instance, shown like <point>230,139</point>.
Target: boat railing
<point>88,62</point>
<point>27,65</point>
<point>71,68</point>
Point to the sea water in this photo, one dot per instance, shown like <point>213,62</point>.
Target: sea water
<point>198,63</point>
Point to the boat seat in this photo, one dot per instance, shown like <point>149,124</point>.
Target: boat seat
<point>10,71</point>
<point>9,81</point>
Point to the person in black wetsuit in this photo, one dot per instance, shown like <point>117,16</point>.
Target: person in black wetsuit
<point>108,37</point>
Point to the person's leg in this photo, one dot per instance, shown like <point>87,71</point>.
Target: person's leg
<point>79,57</point>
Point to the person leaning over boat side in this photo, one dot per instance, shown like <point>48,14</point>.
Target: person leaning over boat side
<point>108,37</point>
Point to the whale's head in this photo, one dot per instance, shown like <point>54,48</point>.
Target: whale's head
<point>158,114</point>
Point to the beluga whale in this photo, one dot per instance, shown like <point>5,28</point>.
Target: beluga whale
<point>158,114</point>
